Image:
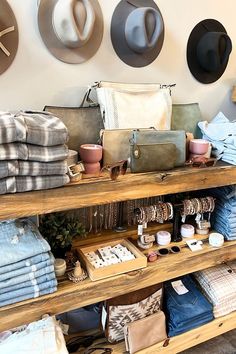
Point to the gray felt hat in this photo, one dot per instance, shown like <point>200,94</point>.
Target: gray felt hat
<point>8,36</point>
<point>137,31</point>
<point>72,30</point>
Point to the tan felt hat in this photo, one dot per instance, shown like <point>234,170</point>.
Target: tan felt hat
<point>8,36</point>
<point>72,30</point>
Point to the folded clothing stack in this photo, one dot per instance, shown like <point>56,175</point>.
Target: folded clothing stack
<point>223,218</point>
<point>222,135</point>
<point>185,306</point>
<point>41,337</point>
<point>26,264</point>
<point>219,285</point>
<point>32,151</point>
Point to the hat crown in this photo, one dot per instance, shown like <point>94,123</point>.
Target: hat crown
<point>73,22</point>
<point>213,50</point>
<point>143,28</point>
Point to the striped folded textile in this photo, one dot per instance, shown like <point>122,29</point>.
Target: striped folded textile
<point>32,168</point>
<point>31,183</point>
<point>38,128</point>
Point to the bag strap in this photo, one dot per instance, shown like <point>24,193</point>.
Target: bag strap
<point>168,86</point>
<point>87,99</point>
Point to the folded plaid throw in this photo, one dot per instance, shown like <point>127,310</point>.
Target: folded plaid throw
<point>31,168</point>
<point>38,128</point>
<point>31,183</point>
<point>21,151</point>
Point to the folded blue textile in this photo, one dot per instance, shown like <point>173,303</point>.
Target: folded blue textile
<point>25,277</point>
<point>28,296</point>
<point>25,263</point>
<point>37,281</point>
<point>187,310</point>
<point>26,270</point>
<point>19,240</point>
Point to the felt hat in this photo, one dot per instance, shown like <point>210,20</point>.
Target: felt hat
<point>72,30</point>
<point>208,51</point>
<point>137,31</point>
<point>8,36</point>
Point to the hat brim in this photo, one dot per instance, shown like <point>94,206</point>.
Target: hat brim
<point>203,76</point>
<point>128,56</point>
<point>56,47</point>
<point>9,40</point>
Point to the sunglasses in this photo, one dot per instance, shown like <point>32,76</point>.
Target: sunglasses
<point>116,169</point>
<point>201,162</point>
<point>163,252</point>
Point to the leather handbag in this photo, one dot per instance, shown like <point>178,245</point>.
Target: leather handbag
<point>129,307</point>
<point>145,332</point>
<point>83,124</point>
<point>156,150</point>
<point>186,117</point>
<point>130,106</point>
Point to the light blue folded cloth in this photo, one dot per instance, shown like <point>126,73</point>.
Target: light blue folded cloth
<point>19,240</point>
<point>37,281</point>
<point>25,263</point>
<point>26,270</point>
<point>28,296</point>
<point>29,290</point>
<point>219,129</point>
<point>26,277</point>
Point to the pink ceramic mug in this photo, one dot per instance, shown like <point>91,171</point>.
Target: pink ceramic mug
<point>198,146</point>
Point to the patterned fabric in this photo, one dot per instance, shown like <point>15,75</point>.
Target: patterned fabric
<point>219,285</point>
<point>31,183</point>
<point>121,314</point>
<point>31,168</point>
<point>39,128</point>
<point>20,151</point>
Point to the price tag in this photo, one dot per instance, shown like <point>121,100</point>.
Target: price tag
<point>198,217</point>
<point>144,225</point>
<point>183,218</point>
<point>140,230</point>
<point>179,287</point>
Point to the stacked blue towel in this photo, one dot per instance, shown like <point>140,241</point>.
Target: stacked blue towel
<point>26,263</point>
<point>224,216</point>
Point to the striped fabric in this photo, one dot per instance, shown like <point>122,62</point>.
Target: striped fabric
<point>38,128</point>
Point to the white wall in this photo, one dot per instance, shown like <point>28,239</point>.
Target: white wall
<point>36,78</point>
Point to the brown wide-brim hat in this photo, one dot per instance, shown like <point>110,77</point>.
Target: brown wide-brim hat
<point>8,36</point>
<point>57,48</point>
<point>119,38</point>
<point>204,48</point>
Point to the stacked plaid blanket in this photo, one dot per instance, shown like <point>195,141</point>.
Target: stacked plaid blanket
<point>32,151</point>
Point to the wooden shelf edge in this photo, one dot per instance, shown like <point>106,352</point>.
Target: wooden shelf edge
<point>188,339</point>
<point>70,296</point>
<point>128,187</point>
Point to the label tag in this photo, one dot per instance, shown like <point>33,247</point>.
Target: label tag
<point>140,230</point>
<point>144,225</point>
<point>179,287</point>
<point>183,218</point>
<point>194,245</point>
<point>198,217</point>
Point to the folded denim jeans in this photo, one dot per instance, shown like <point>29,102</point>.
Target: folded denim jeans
<point>26,270</point>
<point>188,310</point>
<point>26,262</point>
<point>25,277</point>
<point>29,283</point>
<point>28,296</point>
<point>34,289</point>
<point>19,240</point>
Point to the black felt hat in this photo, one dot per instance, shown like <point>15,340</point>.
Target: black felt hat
<point>208,51</point>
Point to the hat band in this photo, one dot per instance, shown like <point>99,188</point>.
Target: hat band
<point>3,33</point>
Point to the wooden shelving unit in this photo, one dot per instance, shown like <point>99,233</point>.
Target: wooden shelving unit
<point>93,192</point>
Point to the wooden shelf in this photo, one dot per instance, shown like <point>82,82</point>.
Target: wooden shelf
<point>70,296</point>
<point>187,339</point>
<point>91,192</point>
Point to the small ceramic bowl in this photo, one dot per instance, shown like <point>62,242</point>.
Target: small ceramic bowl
<point>198,146</point>
<point>90,153</point>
